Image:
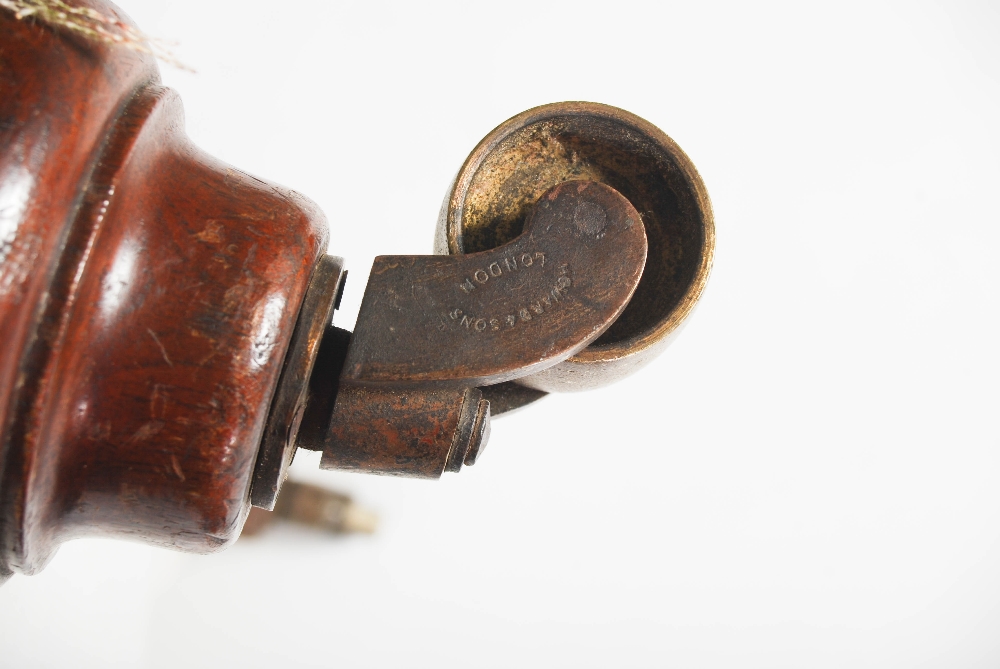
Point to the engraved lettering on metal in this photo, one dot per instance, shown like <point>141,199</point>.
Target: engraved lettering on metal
<point>547,301</point>
<point>561,283</point>
<point>495,270</point>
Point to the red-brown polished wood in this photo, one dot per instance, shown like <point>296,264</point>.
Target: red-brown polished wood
<point>147,298</point>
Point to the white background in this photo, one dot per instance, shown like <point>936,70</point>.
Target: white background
<point>808,477</point>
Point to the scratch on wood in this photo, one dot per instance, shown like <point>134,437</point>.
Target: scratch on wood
<point>158,401</point>
<point>177,467</point>
<point>160,344</point>
<point>146,431</point>
<point>212,234</point>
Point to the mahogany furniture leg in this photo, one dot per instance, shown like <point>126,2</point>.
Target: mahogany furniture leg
<point>148,293</point>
